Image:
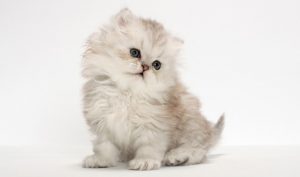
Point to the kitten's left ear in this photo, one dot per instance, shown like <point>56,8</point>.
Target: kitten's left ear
<point>123,18</point>
<point>177,42</point>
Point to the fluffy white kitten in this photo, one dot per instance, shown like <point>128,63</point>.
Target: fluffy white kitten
<point>134,102</point>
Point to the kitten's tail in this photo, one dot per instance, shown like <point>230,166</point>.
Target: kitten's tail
<point>218,129</point>
<point>219,126</point>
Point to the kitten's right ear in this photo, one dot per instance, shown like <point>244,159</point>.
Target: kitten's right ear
<point>123,18</point>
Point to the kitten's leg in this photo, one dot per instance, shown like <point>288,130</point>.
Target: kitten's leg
<point>150,150</point>
<point>196,137</point>
<point>193,143</point>
<point>105,155</point>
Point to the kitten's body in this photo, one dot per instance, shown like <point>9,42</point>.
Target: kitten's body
<point>146,120</point>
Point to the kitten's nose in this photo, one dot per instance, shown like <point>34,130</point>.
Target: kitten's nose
<point>145,67</point>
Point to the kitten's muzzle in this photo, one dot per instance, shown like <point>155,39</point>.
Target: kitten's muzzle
<point>145,67</point>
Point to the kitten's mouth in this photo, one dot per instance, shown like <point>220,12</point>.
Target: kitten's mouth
<point>145,68</point>
<point>141,74</point>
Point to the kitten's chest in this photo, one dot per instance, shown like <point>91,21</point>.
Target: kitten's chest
<point>127,110</point>
<point>124,114</point>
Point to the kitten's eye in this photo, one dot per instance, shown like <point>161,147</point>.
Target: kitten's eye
<point>135,53</point>
<point>156,64</point>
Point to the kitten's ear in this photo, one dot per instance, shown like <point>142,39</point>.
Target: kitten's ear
<point>123,18</point>
<point>177,42</point>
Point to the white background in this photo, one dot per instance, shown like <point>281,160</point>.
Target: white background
<point>241,58</point>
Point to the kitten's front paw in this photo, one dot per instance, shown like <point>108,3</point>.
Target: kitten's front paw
<point>144,164</point>
<point>173,158</point>
<point>93,161</point>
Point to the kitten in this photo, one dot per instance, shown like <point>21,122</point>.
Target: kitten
<point>134,102</point>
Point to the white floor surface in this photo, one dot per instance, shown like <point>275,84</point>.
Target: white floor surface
<point>235,161</point>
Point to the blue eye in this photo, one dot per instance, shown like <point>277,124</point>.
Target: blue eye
<point>156,64</point>
<point>135,53</point>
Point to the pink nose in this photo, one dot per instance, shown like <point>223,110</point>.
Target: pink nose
<point>145,67</point>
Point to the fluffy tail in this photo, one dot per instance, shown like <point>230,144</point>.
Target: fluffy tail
<point>219,126</point>
<point>218,129</point>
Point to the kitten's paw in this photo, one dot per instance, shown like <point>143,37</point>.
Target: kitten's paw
<point>144,164</point>
<point>184,156</point>
<point>93,161</point>
<point>172,158</point>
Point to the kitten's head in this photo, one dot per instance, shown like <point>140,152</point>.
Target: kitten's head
<point>136,54</point>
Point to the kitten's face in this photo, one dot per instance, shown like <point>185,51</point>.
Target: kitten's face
<point>137,54</point>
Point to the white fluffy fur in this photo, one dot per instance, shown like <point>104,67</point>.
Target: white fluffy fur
<point>150,120</point>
